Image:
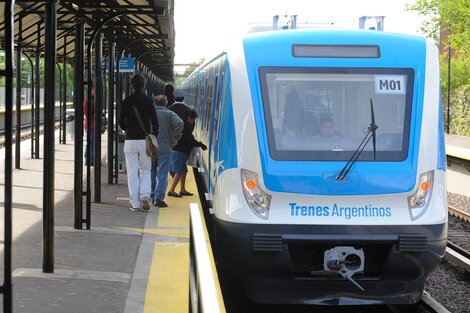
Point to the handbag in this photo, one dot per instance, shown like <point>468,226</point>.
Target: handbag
<point>151,145</point>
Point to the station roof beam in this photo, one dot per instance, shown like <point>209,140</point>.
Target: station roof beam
<point>148,20</point>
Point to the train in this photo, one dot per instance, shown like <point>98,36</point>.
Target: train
<point>325,169</point>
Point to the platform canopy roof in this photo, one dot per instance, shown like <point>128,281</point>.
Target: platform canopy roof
<point>145,28</point>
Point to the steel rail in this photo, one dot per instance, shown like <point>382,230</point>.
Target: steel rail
<point>458,256</point>
<point>459,213</point>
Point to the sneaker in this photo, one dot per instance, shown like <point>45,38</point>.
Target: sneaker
<point>145,204</point>
<point>134,209</point>
<point>160,203</point>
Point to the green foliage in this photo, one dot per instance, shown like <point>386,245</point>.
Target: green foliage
<point>453,15</point>
<point>179,79</point>
<point>26,72</point>
<point>460,73</point>
<point>429,9</point>
<point>460,115</point>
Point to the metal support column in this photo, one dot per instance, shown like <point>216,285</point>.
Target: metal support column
<point>97,113</point>
<point>37,102</point>
<point>118,111</point>
<point>127,82</point>
<point>8,73</point>
<point>59,69</point>
<point>111,108</point>
<point>89,112</point>
<point>49,129</point>
<point>78,105</point>
<point>64,95</point>
<point>32,103</point>
<point>448,88</point>
<point>18,96</point>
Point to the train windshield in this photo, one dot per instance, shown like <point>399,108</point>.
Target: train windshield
<point>324,113</point>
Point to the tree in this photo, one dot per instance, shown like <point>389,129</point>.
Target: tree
<point>179,79</point>
<point>453,14</point>
<point>451,18</point>
<point>461,112</point>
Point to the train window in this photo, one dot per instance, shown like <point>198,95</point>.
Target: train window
<point>196,98</point>
<point>335,51</point>
<point>216,109</point>
<point>324,113</point>
<point>208,110</point>
<point>200,120</point>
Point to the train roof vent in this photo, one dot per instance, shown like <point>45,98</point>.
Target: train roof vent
<point>284,22</point>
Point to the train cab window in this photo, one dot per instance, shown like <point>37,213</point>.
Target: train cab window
<point>324,113</point>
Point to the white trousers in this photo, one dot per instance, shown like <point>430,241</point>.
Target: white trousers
<point>138,165</point>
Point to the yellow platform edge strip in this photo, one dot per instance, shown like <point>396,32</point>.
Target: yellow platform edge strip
<point>167,289</point>
<point>168,283</point>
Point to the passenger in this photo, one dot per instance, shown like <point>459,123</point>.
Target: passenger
<point>327,128</point>
<point>133,121</point>
<point>179,107</point>
<point>181,153</point>
<point>293,113</point>
<point>312,125</point>
<point>90,129</point>
<point>171,127</point>
<point>169,88</point>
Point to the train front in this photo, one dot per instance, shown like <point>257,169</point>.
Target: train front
<point>342,194</point>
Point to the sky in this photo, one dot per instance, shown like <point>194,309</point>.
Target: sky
<point>203,27</point>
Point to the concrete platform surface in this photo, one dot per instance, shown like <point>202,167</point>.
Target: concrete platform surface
<point>128,261</point>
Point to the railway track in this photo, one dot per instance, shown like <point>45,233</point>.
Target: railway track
<point>459,213</point>
<point>454,253</point>
<point>25,133</point>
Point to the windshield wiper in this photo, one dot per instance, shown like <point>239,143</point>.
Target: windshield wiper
<point>373,127</point>
<point>370,134</point>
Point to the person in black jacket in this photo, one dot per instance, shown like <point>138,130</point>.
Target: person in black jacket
<point>179,107</point>
<point>180,154</point>
<point>169,88</point>
<point>138,163</point>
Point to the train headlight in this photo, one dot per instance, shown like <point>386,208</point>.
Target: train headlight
<point>418,202</point>
<point>257,198</point>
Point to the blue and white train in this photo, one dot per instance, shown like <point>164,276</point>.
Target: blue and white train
<point>325,165</point>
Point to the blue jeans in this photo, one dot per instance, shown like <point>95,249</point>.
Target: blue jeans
<point>159,175</point>
<point>91,144</point>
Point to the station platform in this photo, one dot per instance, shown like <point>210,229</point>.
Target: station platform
<point>128,262</point>
<point>458,146</point>
<point>458,164</point>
